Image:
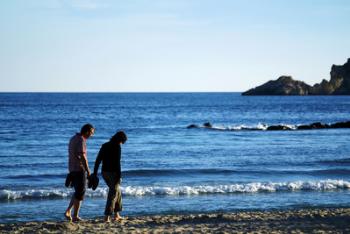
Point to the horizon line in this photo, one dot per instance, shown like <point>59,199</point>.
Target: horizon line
<point>2,92</point>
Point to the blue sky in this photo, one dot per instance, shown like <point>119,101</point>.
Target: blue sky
<point>168,45</point>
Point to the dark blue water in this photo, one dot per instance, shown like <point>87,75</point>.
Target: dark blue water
<point>168,168</point>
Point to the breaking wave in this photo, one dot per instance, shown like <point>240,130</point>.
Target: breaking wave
<point>254,187</point>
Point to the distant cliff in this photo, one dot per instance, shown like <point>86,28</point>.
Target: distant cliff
<point>339,84</point>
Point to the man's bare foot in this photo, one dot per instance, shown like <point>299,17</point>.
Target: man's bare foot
<point>107,219</point>
<point>68,216</point>
<point>77,219</point>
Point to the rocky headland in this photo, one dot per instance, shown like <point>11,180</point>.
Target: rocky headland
<point>339,84</point>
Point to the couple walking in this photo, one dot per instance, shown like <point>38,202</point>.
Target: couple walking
<point>109,155</point>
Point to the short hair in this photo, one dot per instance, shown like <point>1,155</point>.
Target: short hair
<point>119,137</point>
<point>86,128</point>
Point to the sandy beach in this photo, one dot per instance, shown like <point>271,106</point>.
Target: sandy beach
<point>292,221</point>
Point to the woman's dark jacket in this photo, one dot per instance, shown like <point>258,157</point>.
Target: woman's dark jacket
<point>110,156</point>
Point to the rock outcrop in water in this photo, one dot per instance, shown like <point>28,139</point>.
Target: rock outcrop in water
<point>339,84</point>
<point>316,125</point>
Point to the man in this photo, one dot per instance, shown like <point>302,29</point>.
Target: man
<point>78,168</point>
<point>109,155</point>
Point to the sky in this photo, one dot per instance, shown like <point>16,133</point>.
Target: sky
<point>168,45</point>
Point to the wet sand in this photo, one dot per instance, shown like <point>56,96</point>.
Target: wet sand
<point>292,221</point>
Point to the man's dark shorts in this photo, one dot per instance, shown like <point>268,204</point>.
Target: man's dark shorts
<point>79,184</point>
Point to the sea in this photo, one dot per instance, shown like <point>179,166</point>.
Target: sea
<point>237,165</point>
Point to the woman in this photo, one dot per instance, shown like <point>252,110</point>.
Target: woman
<point>110,155</point>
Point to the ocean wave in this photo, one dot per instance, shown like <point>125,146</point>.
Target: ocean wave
<point>223,171</point>
<point>165,172</point>
<point>35,176</point>
<point>338,171</point>
<point>32,165</point>
<point>240,127</point>
<point>135,173</point>
<point>7,194</point>
<point>254,187</point>
<point>132,173</point>
<point>343,161</point>
<point>186,172</point>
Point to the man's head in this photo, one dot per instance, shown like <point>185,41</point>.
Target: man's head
<point>87,131</point>
<point>119,137</point>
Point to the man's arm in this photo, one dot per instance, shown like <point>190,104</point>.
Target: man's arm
<point>85,164</point>
<point>82,156</point>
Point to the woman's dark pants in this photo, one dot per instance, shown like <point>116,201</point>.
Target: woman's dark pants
<point>114,199</point>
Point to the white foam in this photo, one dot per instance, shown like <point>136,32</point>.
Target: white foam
<point>259,126</point>
<point>32,193</point>
<point>238,188</point>
<point>294,127</point>
<point>257,187</point>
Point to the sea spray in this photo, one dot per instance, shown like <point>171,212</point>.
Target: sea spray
<point>255,187</point>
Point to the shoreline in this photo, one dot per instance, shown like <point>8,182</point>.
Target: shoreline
<point>329,220</point>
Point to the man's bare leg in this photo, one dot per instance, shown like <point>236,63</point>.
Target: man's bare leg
<point>76,205</point>
<point>67,214</point>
